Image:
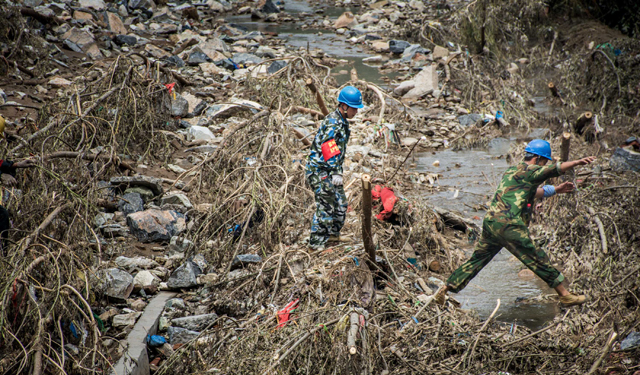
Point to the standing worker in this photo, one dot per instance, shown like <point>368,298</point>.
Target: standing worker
<point>324,170</point>
<point>506,223</point>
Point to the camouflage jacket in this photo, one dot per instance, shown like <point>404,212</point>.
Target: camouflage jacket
<point>513,200</point>
<point>329,146</point>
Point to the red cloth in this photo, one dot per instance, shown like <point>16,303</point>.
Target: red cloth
<point>388,198</point>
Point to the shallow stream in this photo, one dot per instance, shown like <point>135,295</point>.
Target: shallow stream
<point>471,176</point>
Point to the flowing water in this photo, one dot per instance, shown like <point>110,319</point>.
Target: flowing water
<point>471,177</point>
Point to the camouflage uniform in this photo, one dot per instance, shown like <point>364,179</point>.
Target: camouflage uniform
<point>506,225</point>
<point>325,160</point>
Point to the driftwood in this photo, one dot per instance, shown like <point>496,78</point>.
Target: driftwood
<point>605,351</point>
<point>455,221</point>
<point>366,219</point>
<point>319,99</point>
<point>301,137</point>
<point>565,147</point>
<point>308,111</point>
<point>353,331</point>
<point>603,235</point>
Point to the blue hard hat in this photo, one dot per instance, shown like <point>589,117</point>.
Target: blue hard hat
<point>351,96</point>
<point>539,147</point>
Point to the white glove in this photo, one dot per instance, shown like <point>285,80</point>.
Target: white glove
<point>336,179</point>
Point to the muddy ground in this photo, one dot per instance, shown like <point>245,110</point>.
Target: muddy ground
<point>164,144</point>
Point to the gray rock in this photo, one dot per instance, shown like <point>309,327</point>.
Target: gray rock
<point>139,4</point>
<point>125,320</point>
<point>130,203</point>
<point>200,107</point>
<point>32,3</point>
<point>199,260</point>
<point>184,276</point>
<point>138,262</point>
<point>412,50</point>
<point>114,282</point>
<point>624,159</point>
<point>275,66</point>
<point>176,198</point>
<point>243,260</point>
<point>93,4</point>
<point>398,46</point>
<point>404,87</point>
<point>180,244</point>
<point>243,58</point>
<point>197,58</point>
<point>102,218</point>
<point>425,82</point>
<point>470,119</point>
<point>155,225</point>
<point>175,61</point>
<point>114,230</point>
<point>179,106</point>
<point>175,303</point>
<point>266,52</point>
<point>152,183</point>
<point>146,280</point>
<point>632,341</point>
<point>125,39</point>
<point>195,322</point>
<point>269,7</point>
<point>179,335</point>
<point>145,194</point>
<point>539,133</point>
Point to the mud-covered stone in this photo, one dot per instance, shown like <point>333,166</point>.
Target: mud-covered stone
<point>184,276</point>
<point>155,225</point>
<point>179,106</point>
<point>114,282</point>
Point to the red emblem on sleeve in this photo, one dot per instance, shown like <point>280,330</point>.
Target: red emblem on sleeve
<point>330,149</point>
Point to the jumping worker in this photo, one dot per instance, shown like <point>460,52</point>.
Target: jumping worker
<point>506,223</point>
<point>324,169</point>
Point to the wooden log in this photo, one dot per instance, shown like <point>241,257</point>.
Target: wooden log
<point>566,145</point>
<point>367,239</point>
<point>307,111</point>
<point>314,90</point>
<point>603,235</point>
<point>301,137</point>
<point>353,331</point>
<point>582,122</point>
<point>553,89</point>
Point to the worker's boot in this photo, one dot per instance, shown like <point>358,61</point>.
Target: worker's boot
<point>440,296</point>
<point>572,300</point>
<point>337,239</point>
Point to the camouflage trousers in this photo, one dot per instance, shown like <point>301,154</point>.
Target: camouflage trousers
<point>514,238</point>
<point>331,209</point>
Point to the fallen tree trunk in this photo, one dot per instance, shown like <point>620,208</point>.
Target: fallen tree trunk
<point>455,221</point>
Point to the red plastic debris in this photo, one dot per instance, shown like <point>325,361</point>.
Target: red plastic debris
<point>283,315</point>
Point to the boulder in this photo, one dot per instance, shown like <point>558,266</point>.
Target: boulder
<point>138,262</point>
<point>115,23</point>
<point>625,159</point>
<point>201,133</point>
<point>184,276</point>
<point>155,225</point>
<point>243,260</point>
<point>114,282</point>
<point>125,320</point>
<point>398,46</point>
<point>346,20</point>
<point>179,106</point>
<point>130,203</point>
<point>404,87</point>
<point>195,322</point>
<point>152,183</point>
<point>176,198</point>
<point>179,335</point>
<point>93,4</point>
<point>146,280</point>
<point>425,82</point>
